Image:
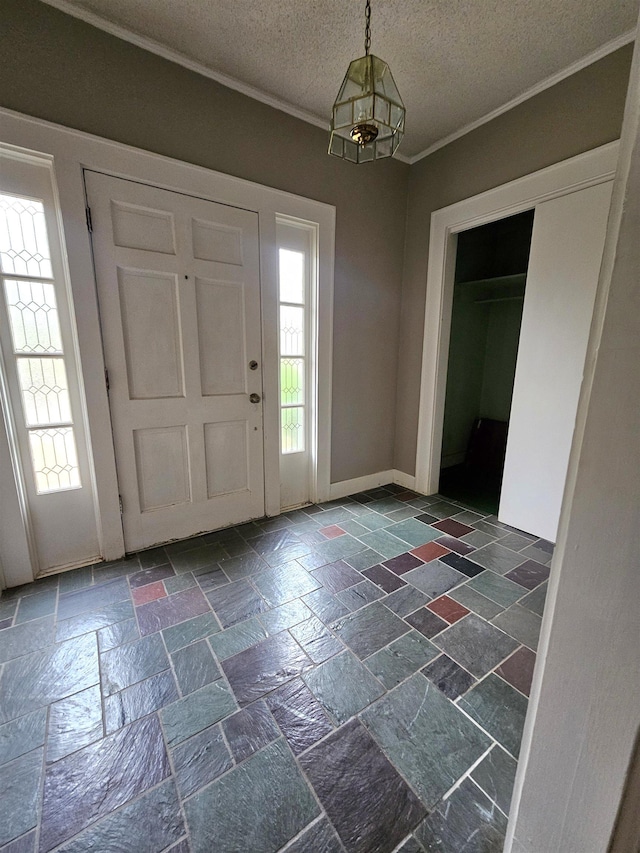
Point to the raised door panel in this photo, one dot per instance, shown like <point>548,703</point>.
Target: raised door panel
<point>162,467</point>
<point>227,457</point>
<point>213,241</point>
<point>137,227</point>
<point>220,307</point>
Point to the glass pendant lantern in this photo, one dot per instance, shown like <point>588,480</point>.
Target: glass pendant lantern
<point>367,121</point>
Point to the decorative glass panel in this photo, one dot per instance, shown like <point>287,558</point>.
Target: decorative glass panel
<point>55,462</point>
<point>45,392</point>
<point>34,316</point>
<point>291,276</point>
<point>292,430</point>
<point>291,330</point>
<point>24,246</point>
<point>291,381</point>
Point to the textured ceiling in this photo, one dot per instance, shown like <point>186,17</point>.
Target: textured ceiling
<point>454,61</point>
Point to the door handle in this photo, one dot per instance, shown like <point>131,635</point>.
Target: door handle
<point>254,398</point>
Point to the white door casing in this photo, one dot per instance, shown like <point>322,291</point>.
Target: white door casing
<point>40,384</point>
<point>564,264</point>
<point>179,292</point>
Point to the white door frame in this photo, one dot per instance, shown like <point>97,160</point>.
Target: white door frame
<point>577,173</point>
<point>71,152</point>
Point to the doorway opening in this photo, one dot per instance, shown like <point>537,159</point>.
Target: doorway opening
<point>489,286</point>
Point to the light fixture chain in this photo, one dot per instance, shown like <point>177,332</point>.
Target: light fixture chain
<point>367,28</point>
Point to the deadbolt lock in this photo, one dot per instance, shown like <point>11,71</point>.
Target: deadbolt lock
<point>253,365</point>
<point>254,398</point>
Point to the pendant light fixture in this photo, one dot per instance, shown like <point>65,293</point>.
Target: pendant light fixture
<point>367,121</point>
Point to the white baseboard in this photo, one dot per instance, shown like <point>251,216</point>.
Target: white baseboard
<point>370,481</point>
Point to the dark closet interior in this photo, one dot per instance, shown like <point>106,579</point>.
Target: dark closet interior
<point>490,278</point>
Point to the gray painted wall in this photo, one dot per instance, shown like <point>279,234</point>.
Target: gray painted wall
<point>573,116</point>
<point>58,68</point>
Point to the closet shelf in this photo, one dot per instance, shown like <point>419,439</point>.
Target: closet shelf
<point>499,279</point>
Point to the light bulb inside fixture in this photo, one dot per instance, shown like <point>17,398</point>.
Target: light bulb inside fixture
<point>364,133</point>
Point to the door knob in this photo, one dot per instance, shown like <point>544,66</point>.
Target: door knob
<point>254,398</point>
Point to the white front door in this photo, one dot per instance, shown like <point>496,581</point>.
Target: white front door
<point>564,264</point>
<point>179,292</point>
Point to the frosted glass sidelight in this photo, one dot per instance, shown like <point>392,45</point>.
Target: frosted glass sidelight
<point>33,315</point>
<point>45,392</point>
<point>291,330</point>
<point>292,430</point>
<point>291,276</point>
<point>24,246</point>
<point>55,461</point>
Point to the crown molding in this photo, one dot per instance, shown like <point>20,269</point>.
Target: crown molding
<point>547,83</point>
<point>250,91</point>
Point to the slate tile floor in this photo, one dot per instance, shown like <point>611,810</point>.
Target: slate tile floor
<point>347,677</point>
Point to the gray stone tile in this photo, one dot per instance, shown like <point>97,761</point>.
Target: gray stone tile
<point>368,802</point>
<point>20,786</point>
<point>171,610</point>
<point>236,602</point>
<point>475,644</point>
<point>325,606</point>
<point>207,578</point>
<point>466,820</point>
<point>140,699</point>
<point>94,621</point>
<point>406,600</point>
<point>117,634</point>
<point>521,624</point>
<point>196,712</point>
<point>385,543</point>
<point>152,557</point>
<point>427,622</point>
<point>343,686</point>
<point>401,659</point>
<point>411,846</point>
<point>197,558</point>
<point>414,532</point>
<point>299,715</point>
<point>237,639</point>
<point>475,601</point>
<point>179,582</point>
<point>497,558</point>
<point>443,509</point>
<point>359,595</point>
<point>91,783</point>
<point>45,676</point>
<point>24,844</point>
<point>243,565</point>
<point>22,735</point>
<point>499,709</point>
<point>335,577</point>
<point>491,529</point>
<point>151,575</point>
<point>197,628</point>
<point>77,579</point>
<point>194,667</point>
<point>92,598</point>
<point>24,639</point>
<point>319,838</point>
<point>36,606</point>
<point>316,640</point>
<point>123,666</point>
<point>374,521</point>
<point>200,760</point>
<point>151,823</point>
<point>498,589</point>
<point>478,539</point>
<point>535,600</point>
<point>467,517</point>
<point>369,629</point>
<point>285,616</point>
<point>284,583</point>
<point>265,666</point>
<point>448,677</point>
<point>534,552</point>
<point>427,738</point>
<point>364,559</point>
<point>515,541</point>
<point>249,730</point>
<point>258,806</point>
<point>340,548</point>
<point>434,578</point>
<point>74,722</point>
<point>495,775</point>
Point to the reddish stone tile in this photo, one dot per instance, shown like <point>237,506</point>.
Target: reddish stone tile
<point>150,592</point>
<point>170,610</point>
<point>332,532</point>
<point>383,578</point>
<point>430,551</point>
<point>518,669</point>
<point>452,527</point>
<point>337,576</point>
<point>529,574</point>
<point>455,545</point>
<point>403,563</point>
<point>448,608</point>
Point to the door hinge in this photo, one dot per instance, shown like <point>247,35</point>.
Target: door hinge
<point>89,220</point>
<point>120,502</point>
